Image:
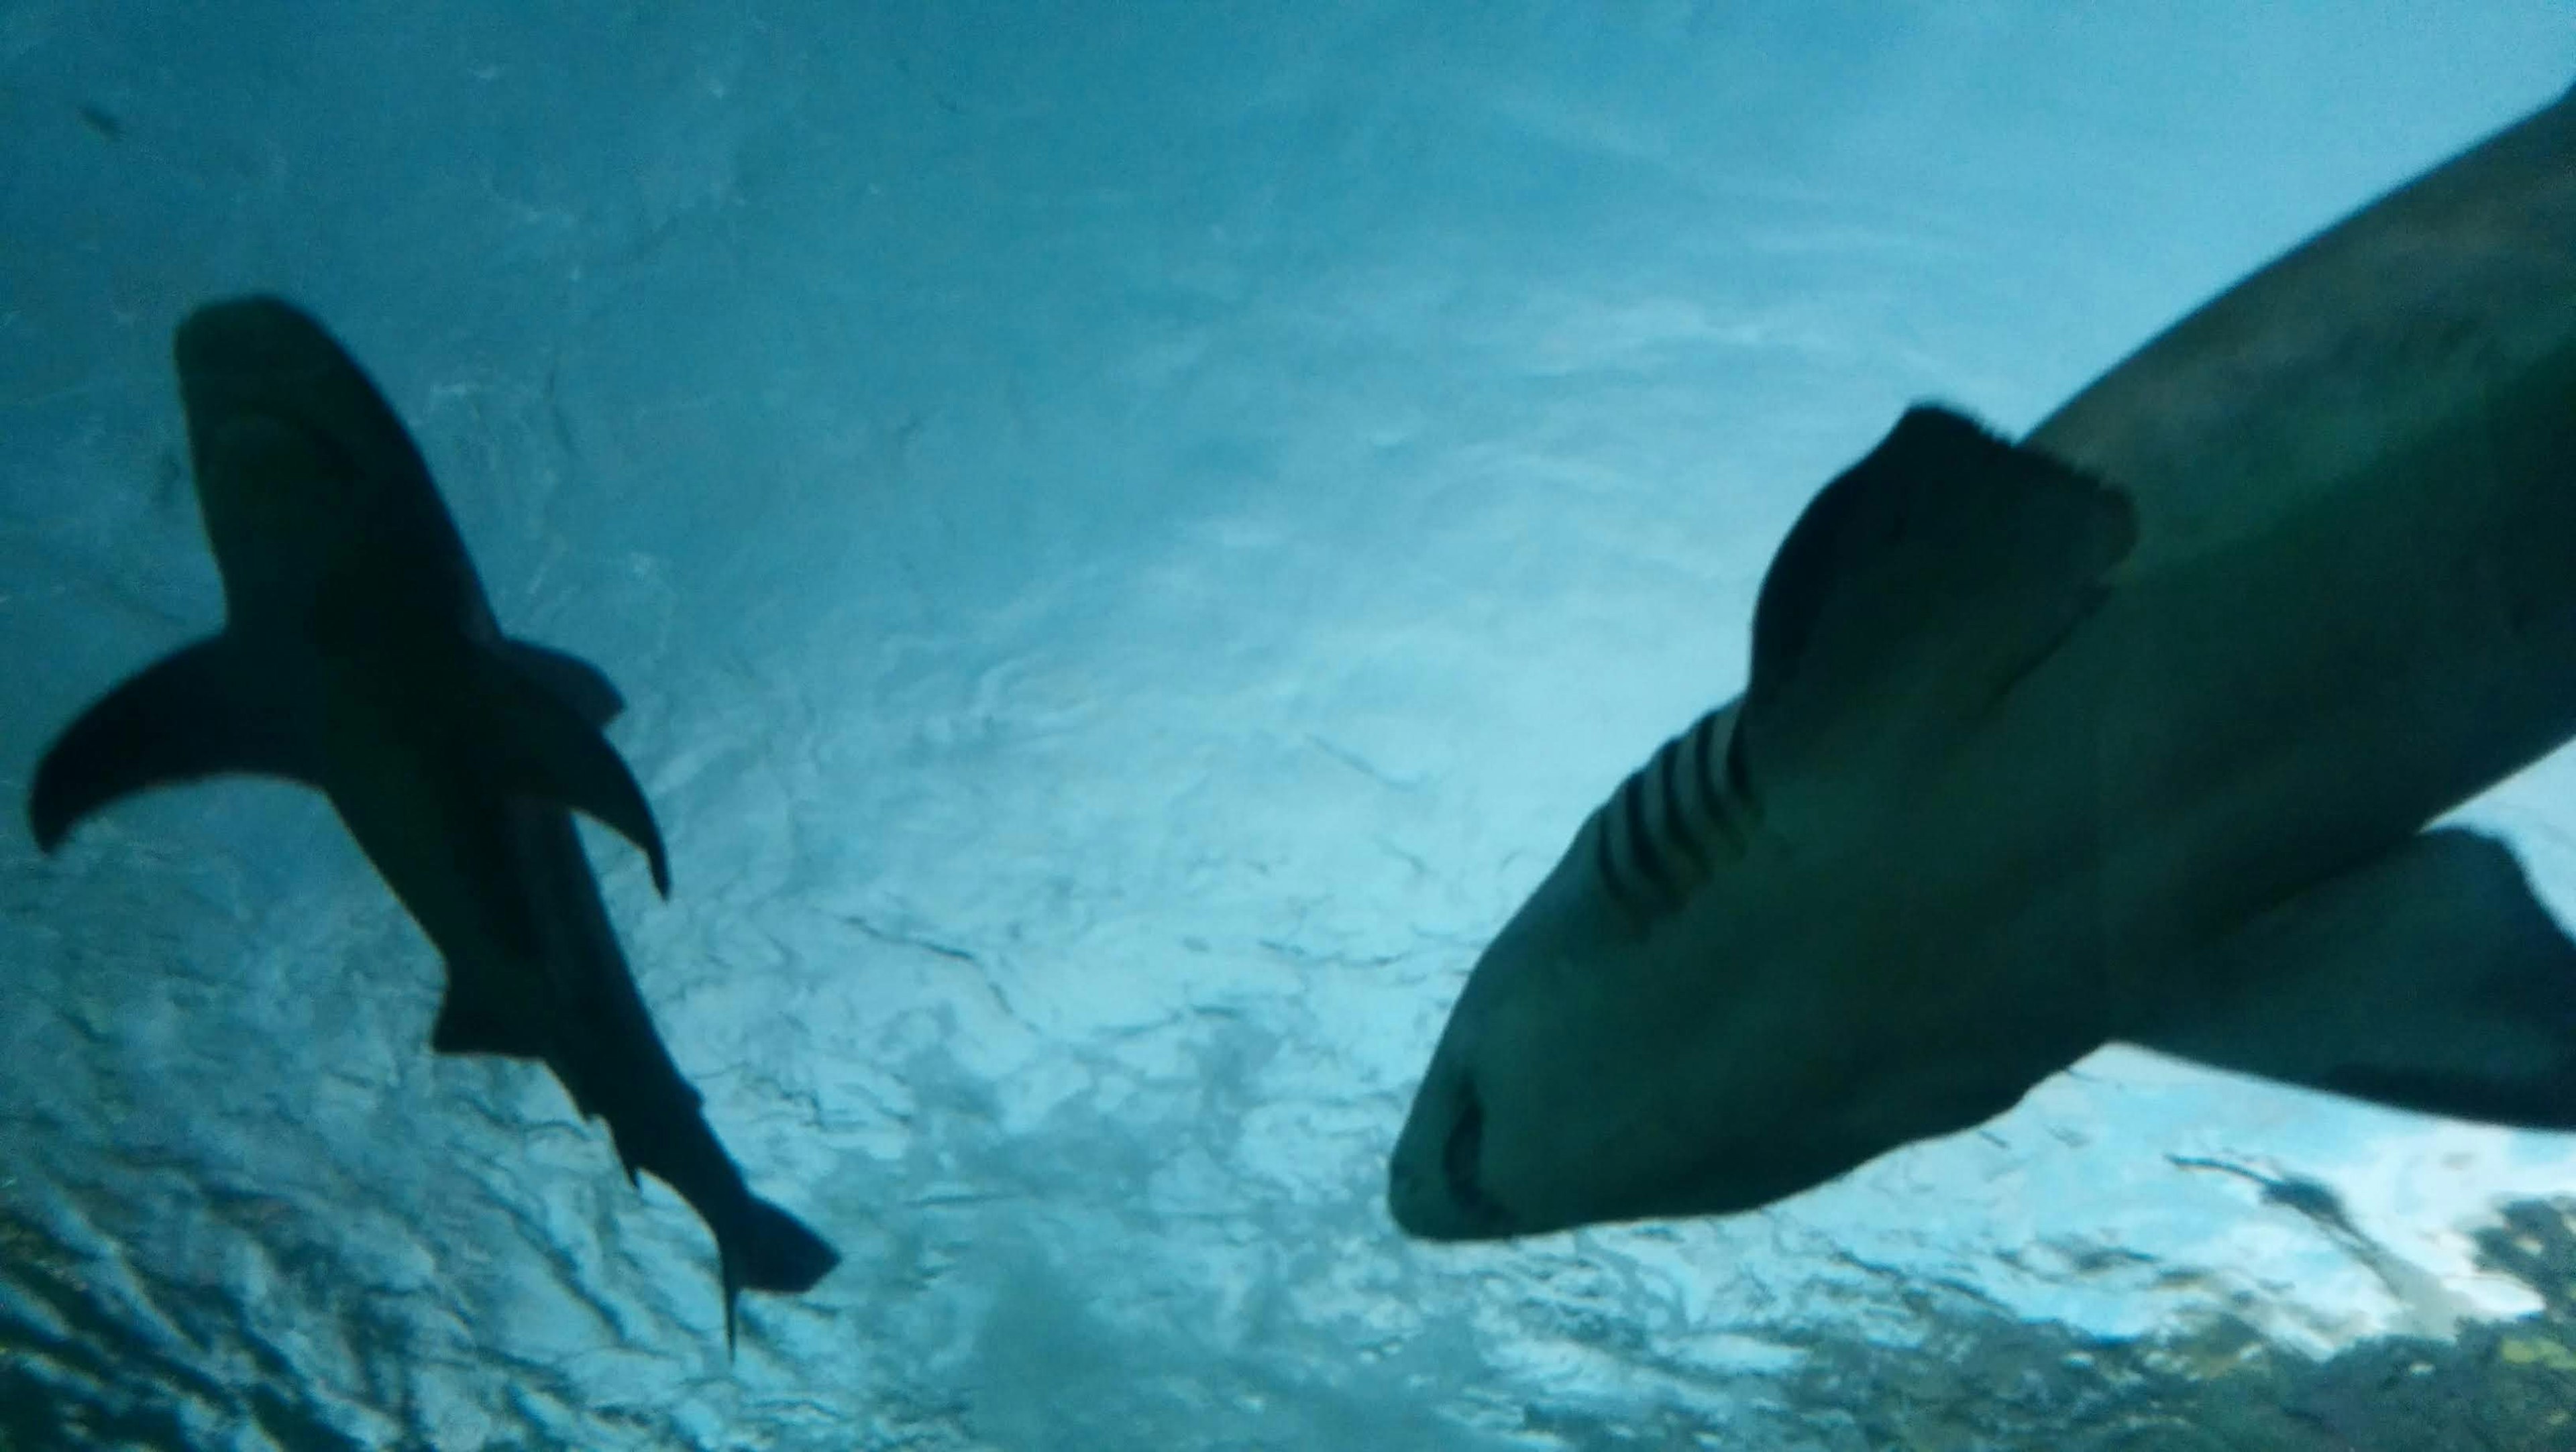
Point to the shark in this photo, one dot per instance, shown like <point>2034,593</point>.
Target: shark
<point>2148,727</point>
<point>359,656</point>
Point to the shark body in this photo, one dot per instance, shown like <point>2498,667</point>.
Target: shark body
<point>2133,730</point>
<point>360,656</point>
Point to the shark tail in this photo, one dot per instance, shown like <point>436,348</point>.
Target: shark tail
<point>768,1249</point>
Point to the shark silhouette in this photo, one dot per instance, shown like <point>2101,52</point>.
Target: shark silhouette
<point>360,657</point>
<point>2134,730</point>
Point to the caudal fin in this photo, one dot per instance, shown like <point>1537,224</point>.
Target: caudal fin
<point>770,1250</point>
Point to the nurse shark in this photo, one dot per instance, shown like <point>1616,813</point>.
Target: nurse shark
<point>360,657</point>
<point>2137,729</point>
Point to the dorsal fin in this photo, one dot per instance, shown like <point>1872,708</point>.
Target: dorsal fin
<point>1916,590</point>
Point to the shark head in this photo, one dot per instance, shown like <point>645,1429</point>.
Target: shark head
<point>1768,956</point>
<point>302,468</point>
<point>1604,1064</point>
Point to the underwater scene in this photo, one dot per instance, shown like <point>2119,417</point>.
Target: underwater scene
<point>1011,725</point>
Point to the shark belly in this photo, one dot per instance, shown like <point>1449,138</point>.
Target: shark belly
<point>2353,604</point>
<point>2263,704</point>
<point>2242,725</point>
<point>433,834</point>
<point>2231,733</point>
<point>2237,735</point>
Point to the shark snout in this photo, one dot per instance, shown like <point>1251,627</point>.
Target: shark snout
<point>1435,1187</point>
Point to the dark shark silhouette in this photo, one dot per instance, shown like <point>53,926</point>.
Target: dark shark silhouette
<point>360,657</point>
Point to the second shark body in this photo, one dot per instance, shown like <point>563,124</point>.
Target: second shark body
<point>360,656</point>
<point>2129,731</point>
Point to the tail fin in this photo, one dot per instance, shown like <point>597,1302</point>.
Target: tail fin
<point>770,1250</point>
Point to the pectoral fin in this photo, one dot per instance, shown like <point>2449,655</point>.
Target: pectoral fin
<point>2428,979</point>
<point>583,686</point>
<point>203,711</point>
<point>539,745</point>
<point>1912,594</point>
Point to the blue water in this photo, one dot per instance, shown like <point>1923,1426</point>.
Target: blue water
<point>1130,534</point>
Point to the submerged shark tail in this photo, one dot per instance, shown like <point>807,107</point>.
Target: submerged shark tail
<point>770,1250</point>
